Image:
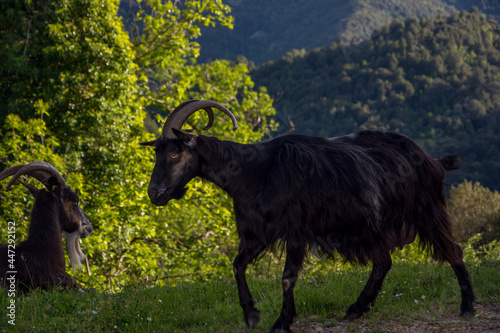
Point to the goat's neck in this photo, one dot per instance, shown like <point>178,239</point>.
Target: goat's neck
<point>229,164</point>
<point>44,232</point>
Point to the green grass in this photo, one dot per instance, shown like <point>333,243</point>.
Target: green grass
<point>430,293</point>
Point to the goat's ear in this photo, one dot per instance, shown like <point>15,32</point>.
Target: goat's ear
<point>149,143</point>
<point>52,185</point>
<point>187,138</point>
<point>33,190</point>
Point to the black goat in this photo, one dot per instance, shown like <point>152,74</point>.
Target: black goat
<point>38,261</point>
<point>361,195</point>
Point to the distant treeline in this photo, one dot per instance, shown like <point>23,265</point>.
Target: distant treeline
<point>265,30</point>
<point>436,80</point>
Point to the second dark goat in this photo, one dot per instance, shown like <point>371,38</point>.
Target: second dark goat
<point>38,261</point>
<point>361,195</point>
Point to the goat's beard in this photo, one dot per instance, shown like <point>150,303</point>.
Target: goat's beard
<point>75,253</point>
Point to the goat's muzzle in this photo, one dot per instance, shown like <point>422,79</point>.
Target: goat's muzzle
<point>86,227</point>
<point>158,197</point>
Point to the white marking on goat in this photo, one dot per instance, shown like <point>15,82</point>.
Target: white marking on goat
<point>286,284</point>
<point>350,136</point>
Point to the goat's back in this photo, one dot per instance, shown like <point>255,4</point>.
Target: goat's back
<point>361,195</point>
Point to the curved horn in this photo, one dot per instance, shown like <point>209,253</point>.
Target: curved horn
<point>181,113</point>
<point>39,175</point>
<point>10,171</point>
<point>40,170</point>
<point>209,111</point>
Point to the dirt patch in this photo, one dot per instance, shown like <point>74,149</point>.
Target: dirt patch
<point>486,320</point>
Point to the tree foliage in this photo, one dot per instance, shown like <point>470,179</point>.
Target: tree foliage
<point>76,86</point>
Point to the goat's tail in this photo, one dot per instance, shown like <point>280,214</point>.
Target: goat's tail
<point>434,225</point>
<point>451,162</point>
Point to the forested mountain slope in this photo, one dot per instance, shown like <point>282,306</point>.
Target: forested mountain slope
<point>266,30</point>
<point>436,80</point>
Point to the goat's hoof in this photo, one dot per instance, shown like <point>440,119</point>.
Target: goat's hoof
<point>467,313</point>
<point>279,330</point>
<point>280,327</point>
<point>353,315</point>
<point>354,312</point>
<point>253,318</point>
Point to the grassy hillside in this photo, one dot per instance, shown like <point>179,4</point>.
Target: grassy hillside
<point>266,30</point>
<point>436,80</point>
<point>414,298</point>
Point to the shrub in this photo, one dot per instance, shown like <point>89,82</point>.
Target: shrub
<point>475,209</point>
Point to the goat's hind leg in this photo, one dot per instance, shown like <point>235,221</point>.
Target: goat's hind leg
<point>367,297</point>
<point>452,252</point>
<point>446,248</point>
<point>245,255</point>
<point>466,308</point>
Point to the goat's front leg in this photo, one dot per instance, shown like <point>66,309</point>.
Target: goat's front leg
<point>294,258</point>
<point>245,255</point>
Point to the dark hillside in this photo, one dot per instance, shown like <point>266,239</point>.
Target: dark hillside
<point>437,80</point>
<point>491,8</point>
<point>266,30</point>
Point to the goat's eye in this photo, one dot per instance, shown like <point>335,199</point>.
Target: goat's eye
<point>174,155</point>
